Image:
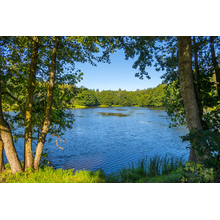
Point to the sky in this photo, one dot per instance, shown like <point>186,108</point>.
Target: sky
<point>118,74</point>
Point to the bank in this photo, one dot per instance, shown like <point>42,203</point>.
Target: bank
<point>155,170</point>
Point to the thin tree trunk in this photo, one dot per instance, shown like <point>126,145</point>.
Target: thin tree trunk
<point>2,167</point>
<point>7,139</point>
<point>47,119</point>
<point>28,154</point>
<point>188,90</point>
<point>197,76</point>
<point>215,64</point>
<point>217,76</point>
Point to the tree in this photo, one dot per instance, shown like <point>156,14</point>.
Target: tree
<point>106,98</point>
<point>87,98</point>
<point>1,157</point>
<point>167,58</point>
<point>98,96</point>
<point>117,97</point>
<point>156,96</point>
<point>28,154</point>
<point>7,139</point>
<point>47,119</point>
<point>187,89</point>
<point>215,64</point>
<point>28,59</point>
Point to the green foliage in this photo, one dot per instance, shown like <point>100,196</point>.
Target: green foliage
<point>195,173</point>
<point>86,98</point>
<point>174,103</point>
<point>207,145</point>
<point>150,97</point>
<point>15,60</point>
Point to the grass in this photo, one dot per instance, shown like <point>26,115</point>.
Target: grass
<point>118,109</point>
<point>146,170</point>
<point>80,106</point>
<point>51,175</point>
<point>104,106</point>
<point>153,170</point>
<point>113,114</point>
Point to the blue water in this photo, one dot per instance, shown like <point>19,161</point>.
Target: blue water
<point>111,142</point>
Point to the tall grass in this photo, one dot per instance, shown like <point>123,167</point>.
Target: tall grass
<point>145,169</point>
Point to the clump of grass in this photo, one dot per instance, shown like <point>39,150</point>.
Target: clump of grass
<point>147,170</point>
<point>118,109</point>
<point>113,114</point>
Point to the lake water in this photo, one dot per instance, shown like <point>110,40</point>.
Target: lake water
<point>102,140</point>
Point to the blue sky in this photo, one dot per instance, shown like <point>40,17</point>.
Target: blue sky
<point>118,74</point>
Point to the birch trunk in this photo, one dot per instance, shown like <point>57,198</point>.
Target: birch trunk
<point>47,119</point>
<point>7,139</point>
<point>28,154</point>
<point>2,167</point>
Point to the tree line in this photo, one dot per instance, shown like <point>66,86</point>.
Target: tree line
<point>147,97</point>
<point>34,70</point>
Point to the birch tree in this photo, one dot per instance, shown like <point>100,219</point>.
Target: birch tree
<point>40,66</point>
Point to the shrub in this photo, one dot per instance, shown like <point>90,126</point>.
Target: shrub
<point>195,173</point>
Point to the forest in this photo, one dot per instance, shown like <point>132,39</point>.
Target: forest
<point>149,97</point>
<point>37,82</point>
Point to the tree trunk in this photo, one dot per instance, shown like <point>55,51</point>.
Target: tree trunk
<point>7,139</point>
<point>47,119</point>
<point>28,155</point>
<point>217,76</point>
<point>215,64</point>
<point>197,76</point>
<point>2,167</point>
<point>188,90</point>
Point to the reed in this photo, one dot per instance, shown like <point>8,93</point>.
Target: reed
<point>145,169</point>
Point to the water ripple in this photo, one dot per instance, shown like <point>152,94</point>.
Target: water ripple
<point>113,142</point>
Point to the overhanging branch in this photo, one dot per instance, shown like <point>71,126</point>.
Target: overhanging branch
<point>9,94</point>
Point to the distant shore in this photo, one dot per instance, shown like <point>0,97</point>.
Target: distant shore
<point>110,106</point>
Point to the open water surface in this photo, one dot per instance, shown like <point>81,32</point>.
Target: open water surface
<point>103,140</point>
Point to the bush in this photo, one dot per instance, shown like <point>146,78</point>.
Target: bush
<point>195,173</point>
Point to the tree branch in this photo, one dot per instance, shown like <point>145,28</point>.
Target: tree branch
<point>39,44</point>
<point>41,69</point>
<point>9,94</point>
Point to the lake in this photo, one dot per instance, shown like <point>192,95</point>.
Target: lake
<point>111,138</point>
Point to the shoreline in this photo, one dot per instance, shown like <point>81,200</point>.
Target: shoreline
<point>112,106</point>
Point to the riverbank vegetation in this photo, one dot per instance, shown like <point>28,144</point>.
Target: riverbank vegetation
<point>153,170</point>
